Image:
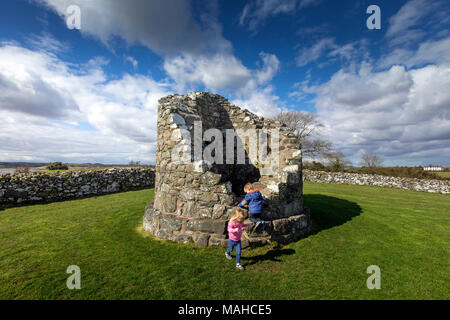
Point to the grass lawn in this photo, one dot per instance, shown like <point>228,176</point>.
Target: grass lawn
<point>405,233</point>
<point>445,174</point>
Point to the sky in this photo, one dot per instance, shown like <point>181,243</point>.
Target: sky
<point>91,94</point>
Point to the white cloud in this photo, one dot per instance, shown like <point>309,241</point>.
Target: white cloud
<point>396,113</point>
<point>315,52</point>
<point>133,61</point>
<point>271,66</point>
<point>261,102</point>
<point>257,96</point>
<point>24,87</point>
<point>193,49</point>
<point>428,52</point>
<point>26,138</point>
<point>46,102</point>
<point>328,48</point>
<point>256,12</point>
<point>58,110</point>
<point>431,52</point>
<point>224,72</point>
<point>407,27</point>
<point>408,16</point>
<point>219,71</point>
<point>166,27</point>
<point>104,120</point>
<point>48,43</point>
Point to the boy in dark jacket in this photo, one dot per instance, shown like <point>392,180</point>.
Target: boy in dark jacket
<point>254,200</point>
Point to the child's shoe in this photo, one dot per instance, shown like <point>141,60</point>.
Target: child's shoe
<point>239,266</point>
<point>228,256</point>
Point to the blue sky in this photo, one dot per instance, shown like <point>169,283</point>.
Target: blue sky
<point>90,95</point>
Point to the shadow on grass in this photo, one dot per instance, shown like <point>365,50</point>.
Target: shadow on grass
<point>328,212</point>
<point>271,255</point>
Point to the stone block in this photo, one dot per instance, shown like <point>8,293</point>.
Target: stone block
<point>210,179</point>
<point>187,194</point>
<point>205,213</point>
<point>191,209</point>
<point>219,211</point>
<point>207,197</point>
<point>151,219</point>
<point>201,239</point>
<point>226,199</point>
<point>169,222</point>
<point>163,234</point>
<point>183,238</point>
<point>214,242</point>
<point>207,225</point>
<point>168,202</point>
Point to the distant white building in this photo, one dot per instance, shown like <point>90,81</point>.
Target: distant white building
<point>433,168</point>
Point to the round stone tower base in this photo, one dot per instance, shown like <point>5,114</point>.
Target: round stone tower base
<point>209,232</point>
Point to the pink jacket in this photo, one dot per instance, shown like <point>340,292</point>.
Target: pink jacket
<point>235,230</point>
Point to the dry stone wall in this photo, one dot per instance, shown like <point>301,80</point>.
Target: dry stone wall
<point>194,198</point>
<point>426,185</point>
<point>48,187</point>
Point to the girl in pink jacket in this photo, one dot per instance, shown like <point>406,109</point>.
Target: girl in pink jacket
<point>234,234</point>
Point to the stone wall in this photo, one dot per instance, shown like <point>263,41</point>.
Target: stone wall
<point>436,186</point>
<point>48,187</point>
<point>194,198</point>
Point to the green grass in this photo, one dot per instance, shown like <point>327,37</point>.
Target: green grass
<point>445,174</point>
<point>405,233</point>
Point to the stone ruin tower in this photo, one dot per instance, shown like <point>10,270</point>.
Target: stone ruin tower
<point>194,197</point>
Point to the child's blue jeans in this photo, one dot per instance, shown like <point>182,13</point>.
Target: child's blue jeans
<point>255,217</point>
<point>237,244</point>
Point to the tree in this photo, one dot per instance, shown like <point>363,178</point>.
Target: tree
<point>316,147</point>
<point>371,160</point>
<point>314,165</point>
<point>57,166</point>
<point>306,126</point>
<point>134,163</point>
<point>22,169</point>
<point>337,161</point>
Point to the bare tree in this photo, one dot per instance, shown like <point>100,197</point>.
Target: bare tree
<point>303,123</point>
<point>305,126</point>
<point>371,160</point>
<point>337,161</point>
<point>134,163</point>
<point>316,147</point>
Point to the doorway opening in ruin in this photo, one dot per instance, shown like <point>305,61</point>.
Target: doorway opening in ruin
<point>241,175</point>
<point>238,174</point>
